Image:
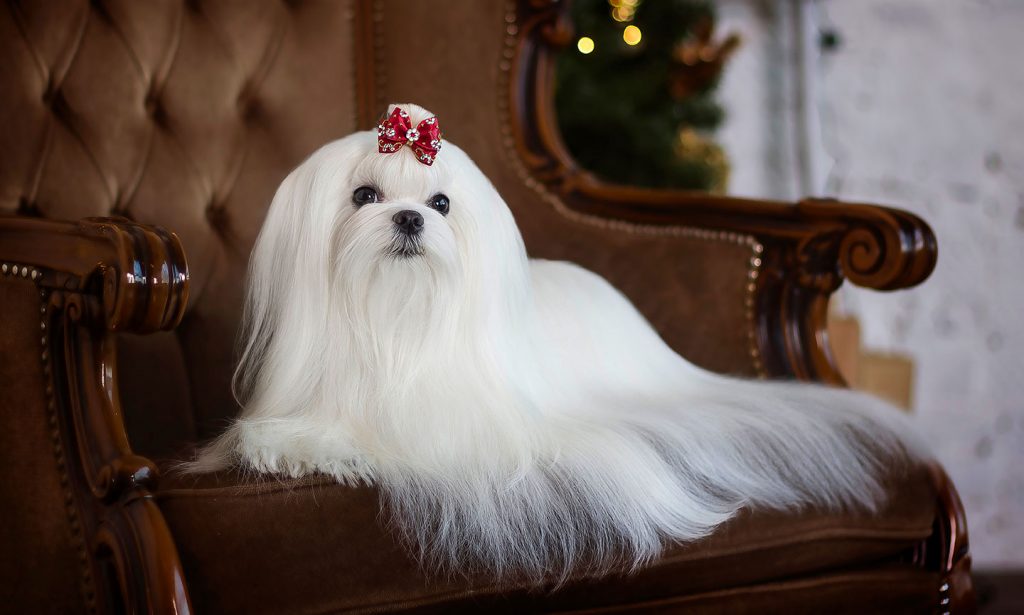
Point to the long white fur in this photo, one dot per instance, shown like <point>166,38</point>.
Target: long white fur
<point>519,416</point>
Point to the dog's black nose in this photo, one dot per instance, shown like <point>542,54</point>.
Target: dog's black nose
<point>408,221</point>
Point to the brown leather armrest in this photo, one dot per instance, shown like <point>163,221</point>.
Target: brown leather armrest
<point>135,276</point>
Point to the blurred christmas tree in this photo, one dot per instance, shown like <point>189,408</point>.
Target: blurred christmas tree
<point>635,97</point>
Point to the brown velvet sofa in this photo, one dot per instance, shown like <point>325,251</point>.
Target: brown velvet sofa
<point>133,134</point>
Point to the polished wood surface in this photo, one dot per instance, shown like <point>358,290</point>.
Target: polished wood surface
<point>98,277</point>
<point>952,551</point>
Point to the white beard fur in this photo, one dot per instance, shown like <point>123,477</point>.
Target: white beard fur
<point>518,416</point>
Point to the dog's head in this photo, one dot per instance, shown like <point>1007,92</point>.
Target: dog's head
<point>383,245</point>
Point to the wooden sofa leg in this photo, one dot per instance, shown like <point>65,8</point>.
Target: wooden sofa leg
<point>950,545</point>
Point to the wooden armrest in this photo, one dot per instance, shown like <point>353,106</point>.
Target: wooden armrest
<point>134,277</point>
<point>806,248</point>
<point>872,246</point>
<point>95,278</point>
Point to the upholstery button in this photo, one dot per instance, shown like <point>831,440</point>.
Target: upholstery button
<point>156,111</point>
<point>217,216</point>
<point>250,110</point>
<point>28,208</point>
<point>118,211</point>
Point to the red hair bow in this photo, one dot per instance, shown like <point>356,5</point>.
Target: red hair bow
<point>396,130</point>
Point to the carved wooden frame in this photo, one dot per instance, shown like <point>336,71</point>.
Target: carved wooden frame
<point>97,277</point>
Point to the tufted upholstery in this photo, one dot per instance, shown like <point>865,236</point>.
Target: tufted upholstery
<point>183,114</point>
<point>189,114</point>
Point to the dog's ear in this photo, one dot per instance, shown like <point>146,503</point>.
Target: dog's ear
<point>288,274</point>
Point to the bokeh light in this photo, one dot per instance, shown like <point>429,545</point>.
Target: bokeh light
<point>623,10</point>
<point>585,44</point>
<point>631,35</point>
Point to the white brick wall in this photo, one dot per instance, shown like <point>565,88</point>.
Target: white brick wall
<point>921,106</point>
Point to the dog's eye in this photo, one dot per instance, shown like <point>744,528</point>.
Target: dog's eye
<point>364,195</point>
<point>440,203</point>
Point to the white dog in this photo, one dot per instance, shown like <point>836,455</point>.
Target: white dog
<point>516,415</point>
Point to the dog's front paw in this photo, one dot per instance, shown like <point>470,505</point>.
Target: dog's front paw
<point>278,448</point>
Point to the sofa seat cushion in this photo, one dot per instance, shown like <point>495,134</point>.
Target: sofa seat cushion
<point>313,546</point>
